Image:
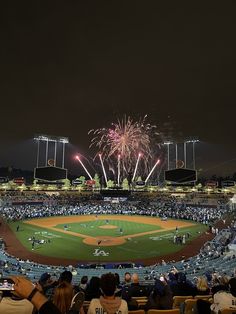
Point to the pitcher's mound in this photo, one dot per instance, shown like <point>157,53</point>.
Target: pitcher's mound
<point>108,227</point>
<point>104,241</point>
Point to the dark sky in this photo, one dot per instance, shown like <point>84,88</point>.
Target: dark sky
<point>69,66</point>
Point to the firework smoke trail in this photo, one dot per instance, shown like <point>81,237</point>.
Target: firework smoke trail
<point>153,168</point>
<point>136,166</point>
<point>126,138</point>
<point>86,170</point>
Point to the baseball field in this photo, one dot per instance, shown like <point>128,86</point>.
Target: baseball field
<point>104,238</point>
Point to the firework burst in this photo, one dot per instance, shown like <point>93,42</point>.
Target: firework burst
<point>127,139</point>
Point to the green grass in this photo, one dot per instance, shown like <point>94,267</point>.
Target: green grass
<point>91,228</point>
<point>68,246</point>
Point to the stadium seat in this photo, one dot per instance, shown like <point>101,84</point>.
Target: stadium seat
<point>228,310</point>
<point>178,299</point>
<point>86,306</point>
<point>189,305</point>
<point>203,297</point>
<point>172,311</point>
<point>141,301</point>
<point>137,312</point>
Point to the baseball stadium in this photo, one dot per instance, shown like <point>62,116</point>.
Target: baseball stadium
<point>127,229</point>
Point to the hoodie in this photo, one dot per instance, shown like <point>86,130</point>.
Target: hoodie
<point>109,306</point>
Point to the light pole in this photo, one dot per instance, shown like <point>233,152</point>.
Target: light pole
<point>49,140</point>
<point>168,153</point>
<point>185,155</point>
<point>194,141</point>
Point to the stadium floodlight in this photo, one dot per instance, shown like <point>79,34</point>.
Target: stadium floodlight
<point>168,143</point>
<point>49,138</point>
<point>193,141</point>
<point>64,140</point>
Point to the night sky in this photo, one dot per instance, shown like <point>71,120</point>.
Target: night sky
<point>69,66</point>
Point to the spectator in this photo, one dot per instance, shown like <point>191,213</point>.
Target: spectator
<point>93,289</point>
<point>224,299</point>
<point>63,295</point>
<point>11,303</point>
<point>183,286</point>
<point>118,285</point>
<point>220,283</point>
<point>161,297</point>
<point>65,276</point>
<point>172,278</point>
<point>48,285</point>
<point>127,279</point>
<point>83,284</point>
<point>108,302</point>
<point>134,290</point>
<point>202,286</point>
<point>25,289</point>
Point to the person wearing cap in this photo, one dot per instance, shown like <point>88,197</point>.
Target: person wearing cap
<point>47,284</point>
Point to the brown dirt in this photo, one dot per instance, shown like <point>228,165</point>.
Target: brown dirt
<point>15,248</point>
<point>108,227</point>
<point>104,241</point>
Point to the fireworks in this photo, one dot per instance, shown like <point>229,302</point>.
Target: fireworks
<point>126,140</point>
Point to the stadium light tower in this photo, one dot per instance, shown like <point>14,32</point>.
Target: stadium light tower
<point>193,141</point>
<point>118,170</point>
<point>185,155</point>
<point>51,139</point>
<point>168,143</point>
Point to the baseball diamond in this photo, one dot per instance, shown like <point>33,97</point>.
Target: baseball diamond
<point>105,238</point>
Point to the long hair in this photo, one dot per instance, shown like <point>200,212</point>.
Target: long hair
<point>202,284</point>
<point>62,296</point>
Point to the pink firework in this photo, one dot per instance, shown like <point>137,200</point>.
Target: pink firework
<point>126,138</point>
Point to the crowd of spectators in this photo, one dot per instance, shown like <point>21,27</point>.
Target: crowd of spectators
<point>164,208</point>
<point>110,294</point>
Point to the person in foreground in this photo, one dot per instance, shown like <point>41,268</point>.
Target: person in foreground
<point>160,297</point>
<point>108,303</point>
<point>26,289</point>
<point>225,299</point>
<point>12,303</point>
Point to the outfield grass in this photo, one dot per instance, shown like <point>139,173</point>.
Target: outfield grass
<point>64,245</point>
